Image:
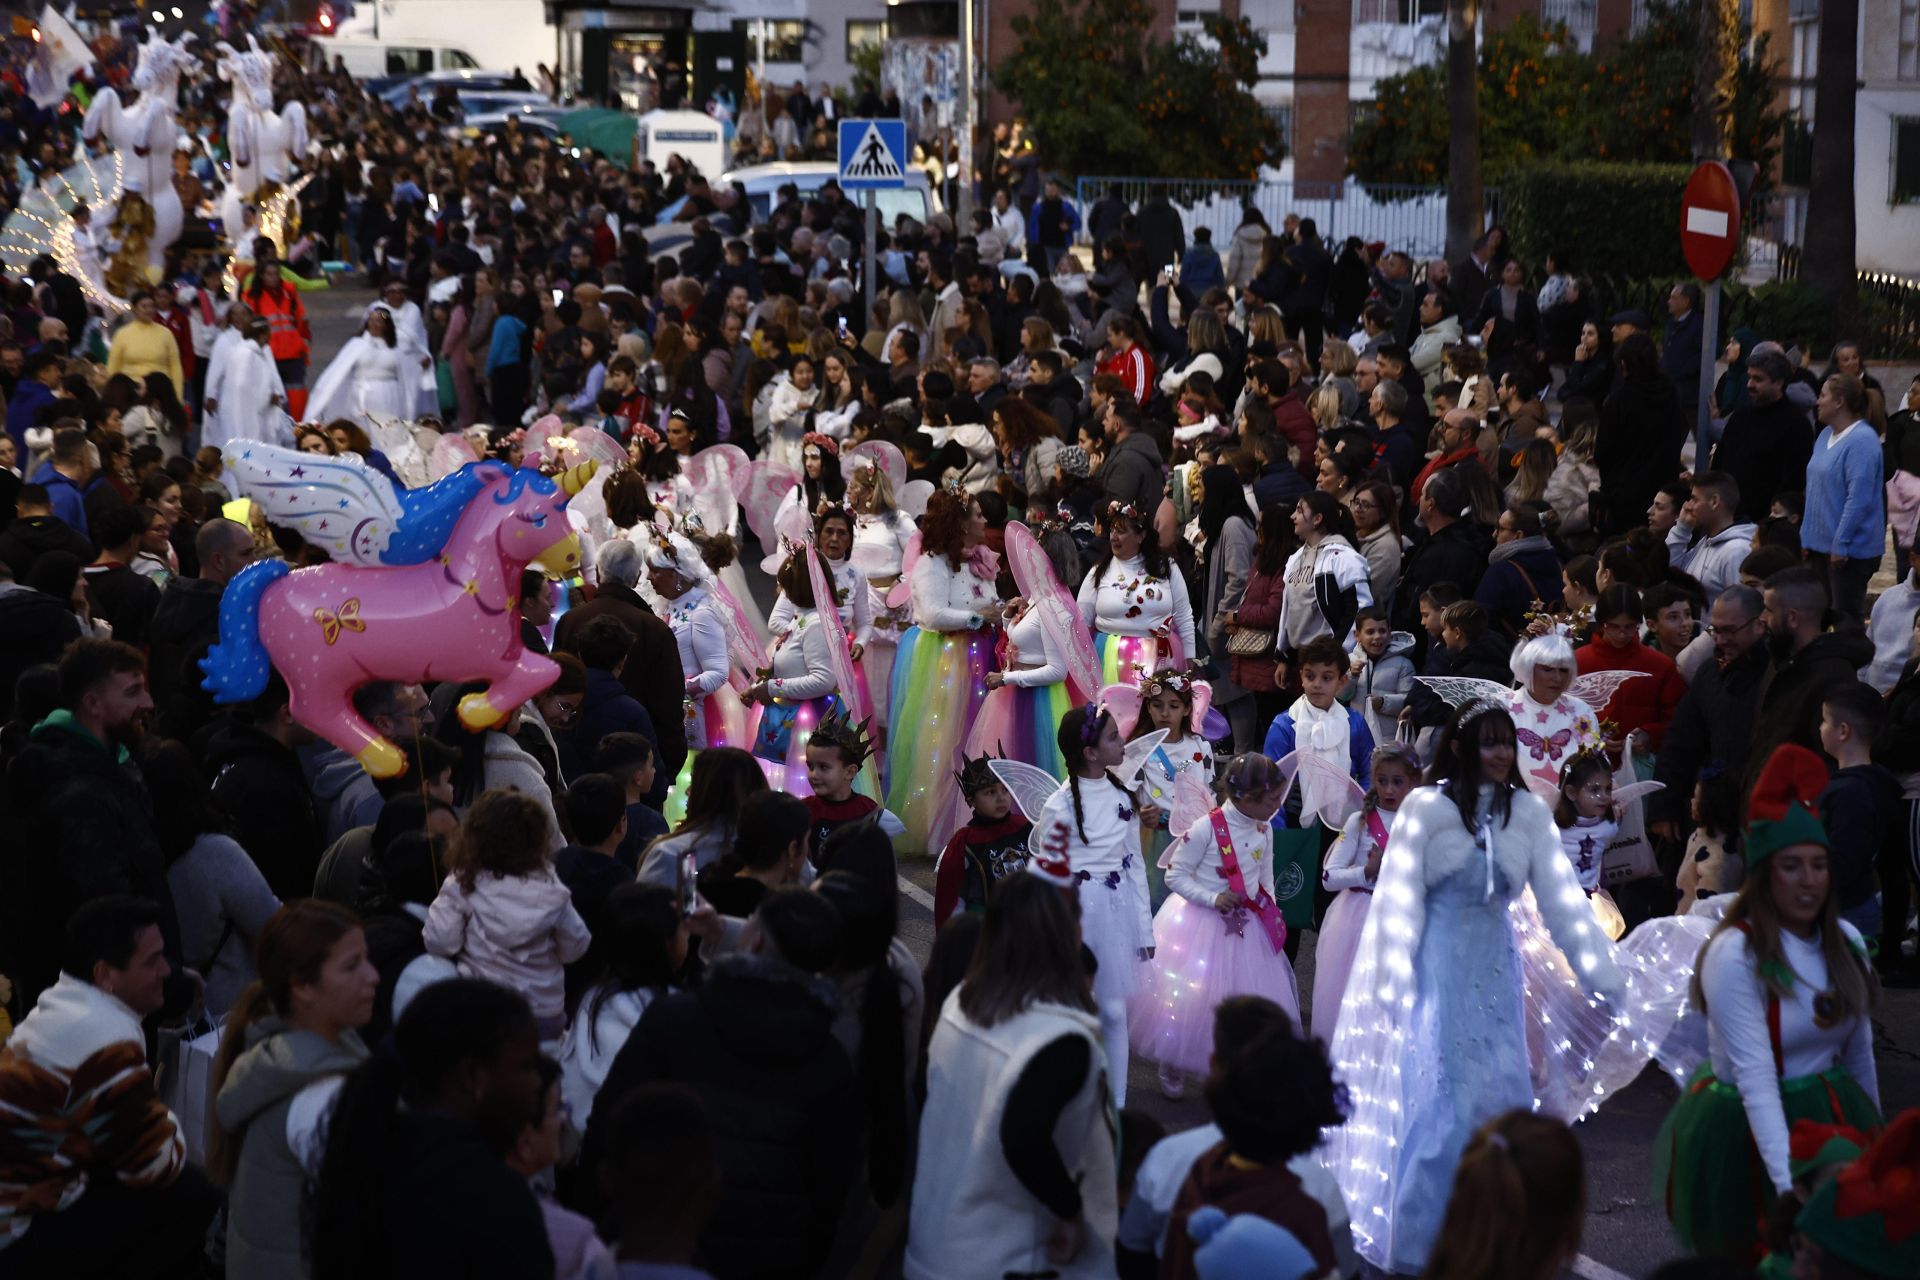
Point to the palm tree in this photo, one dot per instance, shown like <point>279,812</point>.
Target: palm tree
<point>1826,261</point>
<point>1465,199</point>
<point>1716,68</point>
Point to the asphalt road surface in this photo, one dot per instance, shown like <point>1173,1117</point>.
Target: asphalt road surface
<point>1626,1233</point>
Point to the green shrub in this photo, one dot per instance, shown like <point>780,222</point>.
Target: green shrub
<point>1610,216</point>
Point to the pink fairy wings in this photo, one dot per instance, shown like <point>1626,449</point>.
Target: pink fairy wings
<point>902,591</point>
<point>452,452</point>
<point>884,455</point>
<point>1058,613</point>
<point>1124,702</point>
<point>768,484</point>
<point>1191,804</point>
<point>851,695</point>
<point>718,474</point>
<point>744,649</point>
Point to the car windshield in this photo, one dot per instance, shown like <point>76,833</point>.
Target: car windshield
<point>891,204</point>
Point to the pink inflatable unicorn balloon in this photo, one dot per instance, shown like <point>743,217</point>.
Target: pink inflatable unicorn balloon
<point>426,589</point>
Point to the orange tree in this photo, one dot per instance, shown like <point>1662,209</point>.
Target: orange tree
<point>1103,94</point>
<point>1542,100</point>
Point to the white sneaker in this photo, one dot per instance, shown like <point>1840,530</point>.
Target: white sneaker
<point>1173,1083</point>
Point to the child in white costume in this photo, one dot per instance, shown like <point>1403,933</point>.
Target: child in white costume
<point>1352,867</point>
<point>1092,821</point>
<point>1219,933</point>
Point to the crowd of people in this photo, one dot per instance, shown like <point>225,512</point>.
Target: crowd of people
<point>1190,611</point>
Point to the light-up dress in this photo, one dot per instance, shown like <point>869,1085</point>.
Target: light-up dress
<point>1432,1039</point>
<point>939,682</point>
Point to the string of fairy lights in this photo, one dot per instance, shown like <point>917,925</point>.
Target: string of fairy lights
<point>33,231</point>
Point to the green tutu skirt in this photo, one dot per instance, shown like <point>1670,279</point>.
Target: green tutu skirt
<point>1707,1172</point>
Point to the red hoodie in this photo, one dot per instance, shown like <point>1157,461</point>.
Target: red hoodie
<point>1647,703</point>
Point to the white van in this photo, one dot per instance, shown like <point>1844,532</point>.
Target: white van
<point>696,137</point>
<point>369,59</point>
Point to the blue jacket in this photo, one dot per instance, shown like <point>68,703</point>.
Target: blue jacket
<point>607,708</point>
<point>1680,357</point>
<point>1280,744</point>
<point>1200,269</point>
<point>509,333</point>
<point>67,498</point>
<point>1846,507</point>
<point>28,397</point>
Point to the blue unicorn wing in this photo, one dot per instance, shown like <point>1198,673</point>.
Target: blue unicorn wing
<point>339,504</point>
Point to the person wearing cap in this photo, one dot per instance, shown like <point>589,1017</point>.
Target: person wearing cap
<point>1625,324</point>
<point>1016,1168</point>
<point>1861,1222</point>
<point>1788,995</point>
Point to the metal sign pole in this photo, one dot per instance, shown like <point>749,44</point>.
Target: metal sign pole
<point>867,265</point>
<point>1709,351</point>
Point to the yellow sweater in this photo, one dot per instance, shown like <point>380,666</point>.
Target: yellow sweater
<point>140,349</point>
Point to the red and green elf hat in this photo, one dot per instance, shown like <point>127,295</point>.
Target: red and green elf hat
<point>1868,1214</point>
<point>1783,810</point>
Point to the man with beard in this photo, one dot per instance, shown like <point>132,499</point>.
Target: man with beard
<point>81,824</point>
<point>1807,660</point>
<point>1714,721</point>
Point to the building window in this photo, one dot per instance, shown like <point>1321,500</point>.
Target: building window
<point>1398,13</point>
<point>864,33</point>
<point>1280,114</point>
<point>786,41</point>
<point>1906,161</point>
<point>1909,56</point>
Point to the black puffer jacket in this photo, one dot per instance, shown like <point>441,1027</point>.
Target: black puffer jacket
<point>1713,724</point>
<point>1456,554</point>
<point>1790,694</point>
<point>260,786</point>
<point>185,624</point>
<point>34,628</point>
<point>756,1043</point>
<point>79,827</point>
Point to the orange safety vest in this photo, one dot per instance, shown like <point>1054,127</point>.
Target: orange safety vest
<point>290,335</point>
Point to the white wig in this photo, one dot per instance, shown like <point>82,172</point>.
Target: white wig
<point>676,551</point>
<point>1553,648</point>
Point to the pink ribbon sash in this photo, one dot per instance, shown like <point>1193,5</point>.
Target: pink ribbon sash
<point>1264,908</point>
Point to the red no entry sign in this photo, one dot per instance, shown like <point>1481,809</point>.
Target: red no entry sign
<point>1709,220</point>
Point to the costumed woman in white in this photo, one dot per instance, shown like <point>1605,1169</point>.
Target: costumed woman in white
<point>1551,723</point>
<point>1432,1040</point>
<point>246,386</point>
<point>833,537</point>
<point>1134,601</point>
<point>940,671</point>
<point>1351,870</point>
<point>800,685</point>
<point>1092,823</point>
<point>367,381</point>
<point>881,533</point>
<point>680,575</point>
<point>1789,997</point>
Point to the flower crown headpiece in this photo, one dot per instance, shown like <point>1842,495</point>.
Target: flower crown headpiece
<point>824,443</point>
<point>1123,511</point>
<point>838,730</point>
<point>1168,680</point>
<point>831,507</point>
<point>976,774</point>
<point>1060,522</point>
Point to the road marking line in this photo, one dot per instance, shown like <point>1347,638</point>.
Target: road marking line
<point>925,899</point>
<point>1587,1269</point>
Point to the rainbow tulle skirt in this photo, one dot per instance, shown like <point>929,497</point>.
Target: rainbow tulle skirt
<point>939,684</point>
<point>1122,658</point>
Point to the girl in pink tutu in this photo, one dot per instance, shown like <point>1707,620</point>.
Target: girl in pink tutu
<point>1353,864</point>
<point>1219,934</point>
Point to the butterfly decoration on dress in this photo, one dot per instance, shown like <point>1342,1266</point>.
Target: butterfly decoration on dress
<point>1054,606</point>
<point>1547,747</point>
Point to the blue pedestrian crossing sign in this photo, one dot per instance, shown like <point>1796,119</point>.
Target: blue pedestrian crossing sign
<point>873,155</point>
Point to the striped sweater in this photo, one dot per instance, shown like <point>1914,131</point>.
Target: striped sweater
<point>77,1099</point>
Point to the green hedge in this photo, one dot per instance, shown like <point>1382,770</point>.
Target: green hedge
<point>1613,217</point>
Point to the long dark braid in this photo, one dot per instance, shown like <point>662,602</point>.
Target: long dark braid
<point>1079,729</point>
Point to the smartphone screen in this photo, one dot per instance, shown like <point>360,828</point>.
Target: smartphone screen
<point>689,899</point>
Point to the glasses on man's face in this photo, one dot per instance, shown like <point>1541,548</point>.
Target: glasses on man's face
<point>1729,629</point>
